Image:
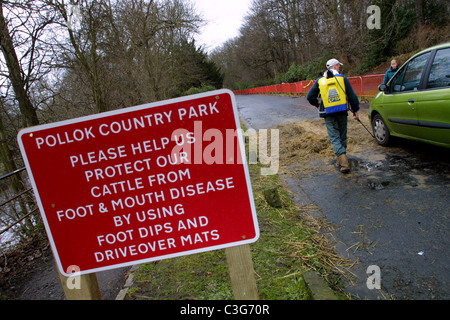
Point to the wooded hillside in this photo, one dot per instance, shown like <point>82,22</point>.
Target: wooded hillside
<point>291,40</point>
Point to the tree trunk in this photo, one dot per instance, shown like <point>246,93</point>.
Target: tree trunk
<point>15,74</point>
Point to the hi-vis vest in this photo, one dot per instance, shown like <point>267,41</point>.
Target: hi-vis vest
<point>333,95</point>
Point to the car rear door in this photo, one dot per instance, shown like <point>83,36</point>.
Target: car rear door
<point>434,107</point>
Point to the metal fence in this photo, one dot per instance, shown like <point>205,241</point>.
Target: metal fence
<point>17,207</point>
<point>364,86</point>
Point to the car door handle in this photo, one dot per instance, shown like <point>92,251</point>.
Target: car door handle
<point>411,101</point>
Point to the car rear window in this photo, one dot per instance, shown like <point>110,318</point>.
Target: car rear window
<point>440,70</point>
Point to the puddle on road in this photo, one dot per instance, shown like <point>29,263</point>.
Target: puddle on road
<point>409,172</point>
<point>378,175</point>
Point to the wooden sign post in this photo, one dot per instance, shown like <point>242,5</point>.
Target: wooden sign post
<point>87,287</point>
<point>242,274</point>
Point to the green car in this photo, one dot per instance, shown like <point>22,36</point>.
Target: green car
<point>415,103</point>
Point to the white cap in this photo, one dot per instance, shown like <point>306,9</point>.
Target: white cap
<point>332,63</point>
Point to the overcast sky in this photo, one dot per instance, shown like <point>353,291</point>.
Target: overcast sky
<point>224,18</point>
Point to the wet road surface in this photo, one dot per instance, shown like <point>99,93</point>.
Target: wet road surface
<point>391,211</point>
<point>260,112</point>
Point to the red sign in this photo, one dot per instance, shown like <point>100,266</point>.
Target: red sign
<point>141,184</point>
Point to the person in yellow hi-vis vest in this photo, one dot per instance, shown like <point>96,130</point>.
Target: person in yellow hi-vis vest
<point>336,94</point>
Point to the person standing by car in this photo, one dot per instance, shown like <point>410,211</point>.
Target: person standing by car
<point>392,70</point>
<point>336,92</point>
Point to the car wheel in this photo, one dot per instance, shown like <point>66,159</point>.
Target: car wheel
<point>380,130</point>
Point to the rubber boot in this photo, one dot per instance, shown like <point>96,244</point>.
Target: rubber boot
<point>343,162</point>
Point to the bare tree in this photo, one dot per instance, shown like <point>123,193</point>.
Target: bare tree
<point>16,75</point>
<point>123,49</point>
<point>83,46</point>
<point>155,30</point>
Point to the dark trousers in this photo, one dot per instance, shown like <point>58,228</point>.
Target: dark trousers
<point>337,132</point>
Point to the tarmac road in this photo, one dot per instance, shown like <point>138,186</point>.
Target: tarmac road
<point>391,211</point>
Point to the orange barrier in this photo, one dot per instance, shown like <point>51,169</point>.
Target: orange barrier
<point>364,86</point>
